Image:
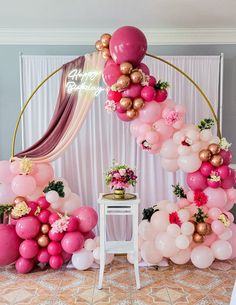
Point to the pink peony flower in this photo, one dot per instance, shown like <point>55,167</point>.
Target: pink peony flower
<point>122,171</point>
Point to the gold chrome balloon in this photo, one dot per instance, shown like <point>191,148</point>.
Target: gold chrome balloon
<point>205,155</point>
<point>19,199</point>
<point>131,113</point>
<point>201,228</point>
<point>126,68</point>
<point>197,238</point>
<point>123,82</point>
<point>45,228</point>
<point>136,77</point>
<point>126,103</point>
<point>106,53</point>
<point>138,103</point>
<point>105,39</point>
<point>214,149</point>
<point>43,241</point>
<point>216,160</point>
<point>99,45</point>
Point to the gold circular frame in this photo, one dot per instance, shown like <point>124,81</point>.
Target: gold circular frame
<point>147,54</point>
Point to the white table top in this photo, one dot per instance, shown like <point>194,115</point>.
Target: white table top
<point>118,202</point>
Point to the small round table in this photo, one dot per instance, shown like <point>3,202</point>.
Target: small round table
<point>118,207</point>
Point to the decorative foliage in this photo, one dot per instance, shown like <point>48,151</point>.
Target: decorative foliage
<point>200,216</point>
<point>20,209</point>
<point>161,85</point>
<point>179,191</point>
<point>147,213</point>
<point>61,224</point>
<point>6,209</point>
<point>224,144</point>
<point>55,186</point>
<point>206,124</point>
<point>224,219</point>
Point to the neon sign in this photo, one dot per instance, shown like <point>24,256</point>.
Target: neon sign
<point>78,80</point>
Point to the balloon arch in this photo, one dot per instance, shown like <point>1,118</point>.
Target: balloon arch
<point>198,226</point>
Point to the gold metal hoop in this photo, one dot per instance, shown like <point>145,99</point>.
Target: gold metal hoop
<point>150,55</point>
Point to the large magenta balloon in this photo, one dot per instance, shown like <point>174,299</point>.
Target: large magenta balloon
<point>9,244</point>
<point>111,72</point>
<point>196,181</point>
<point>128,44</point>
<point>87,217</point>
<point>72,242</point>
<point>27,227</point>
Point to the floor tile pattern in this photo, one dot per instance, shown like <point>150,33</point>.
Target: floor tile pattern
<point>173,285</point>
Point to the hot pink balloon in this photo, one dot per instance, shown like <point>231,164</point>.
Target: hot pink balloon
<point>152,81</point>
<point>54,248</point>
<point>44,216</point>
<point>148,93</point>
<point>53,217</point>
<point>88,235</point>
<point>230,180</point>
<point>66,256</point>
<point>133,91</point>
<point>43,203</point>
<point>72,241</point>
<point>196,181</point>
<point>120,109</point>
<point>24,265</point>
<point>114,96</point>
<point>223,171</point>
<point>128,43</point>
<point>29,248</point>
<point>227,156</point>
<point>27,227</point>
<point>73,224</point>
<point>206,169</point>
<point>55,236</point>
<point>87,218</point>
<point>123,117</point>
<point>150,113</point>
<point>111,72</point>
<point>217,198</point>
<point>6,175</point>
<point>44,174</point>
<point>144,68</point>
<point>43,256</point>
<point>33,207</point>
<point>23,185</point>
<point>9,244</point>
<point>56,261</point>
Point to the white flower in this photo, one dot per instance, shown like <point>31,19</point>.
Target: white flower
<point>224,144</point>
<point>110,106</point>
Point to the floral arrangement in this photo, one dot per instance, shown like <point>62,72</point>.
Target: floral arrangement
<point>120,176</point>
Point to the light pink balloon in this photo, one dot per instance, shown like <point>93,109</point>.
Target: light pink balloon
<point>170,165</point>
<point>6,175</point>
<point>190,163</point>
<point>23,185</point>
<point>217,227</point>
<point>123,116</point>
<point>169,150</point>
<point>173,230</point>
<point>130,257</point>
<point>150,113</point>
<point>160,221</point>
<point>44,174</point>
<point>202,257</point>
<point>90,244</point>
<point>146,230</point>
<point>229,215</point>
<point>190,196</point>
<point>231,195</point>
<point>24,265</point>
<point>143,129</point>
<point>152,137</point>
<point>15,167</point>
<point>164,130</point>
<point>149,253</point>
<point>182,257</point>
<point>187,228</point>
<point>166,244</point>
<point>214,213</point>
<point>6,194</point>
<point>183,203</point>
<point>209,239</point>
<point>221,249</point>
<point>232,240</point>
<point>9,244</point>
<point>226,235</point>
<point>134,127</point>
<point>217,198</point>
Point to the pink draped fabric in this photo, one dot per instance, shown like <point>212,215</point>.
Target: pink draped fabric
<point>63,114</point>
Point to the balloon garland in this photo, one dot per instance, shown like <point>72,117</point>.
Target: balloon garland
<point>199,225</point>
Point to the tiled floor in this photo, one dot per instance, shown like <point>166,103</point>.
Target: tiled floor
<point>173,285</point>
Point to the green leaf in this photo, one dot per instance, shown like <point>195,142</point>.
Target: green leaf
<point>147,213</point>
<point>55,186</point>
<point>206,124</point>
<point>179,191</point>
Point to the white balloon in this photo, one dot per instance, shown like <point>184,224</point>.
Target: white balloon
<point>82,259</point>
<point>160,221</point>
<point>161,205</point>
<point>67,192</point>
<point>222,249</point>
<point>96,254</point>
<point>202,257</point>
<point>184,215</point>
<point>172,207</point>
<point>52,196</point>
<point>182,257</point>
<point>90,244</point>
<point>146,230</point>
<point>227,234</point>
<point>187,228</point>
<point>173,230</point>
<point>97,240</point>
<point>182,242</point>
<point>130,257</point>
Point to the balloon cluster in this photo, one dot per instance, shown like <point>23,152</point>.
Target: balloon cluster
<point>130,86</point>
<point>44,236</point>
<point>21,177</point>
<point>198,226</point>
<point>156,124</point>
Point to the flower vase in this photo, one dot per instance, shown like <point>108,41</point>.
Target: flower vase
<point>119,193</point>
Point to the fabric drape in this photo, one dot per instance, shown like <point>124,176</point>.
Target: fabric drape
<point>103,137</point>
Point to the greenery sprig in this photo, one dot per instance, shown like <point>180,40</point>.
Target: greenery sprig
<point>179,191</point>
<point>55,186</point>
<point>147,213</point>
<point>206,124</point>
<point>161,85</point>
<point>6,209</point>
<point>200,216</point>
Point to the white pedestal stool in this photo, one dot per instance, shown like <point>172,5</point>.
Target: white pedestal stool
<point>118,207</point>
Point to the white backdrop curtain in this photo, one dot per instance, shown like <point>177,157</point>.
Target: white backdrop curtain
<point>103,137</point>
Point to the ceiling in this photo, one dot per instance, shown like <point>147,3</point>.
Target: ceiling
<point>71,17</point>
